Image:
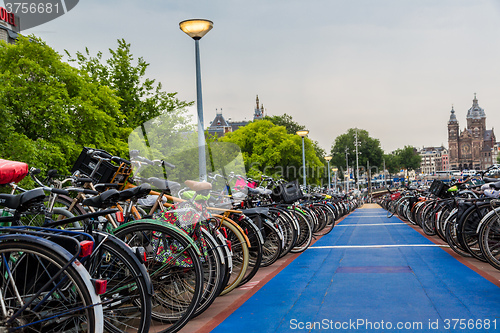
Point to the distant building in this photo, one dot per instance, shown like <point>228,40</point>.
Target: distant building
<point>495,152</point>
<point>220,126</point>
<point>471,148</point>
<point>433,159</point>
<point>9,26</point>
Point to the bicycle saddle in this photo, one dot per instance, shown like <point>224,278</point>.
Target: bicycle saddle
<point>495,185</point>
<point>139,191</point>
<point>23,199</point>
<point>198,186</point>
<point>163,184</point>
<point>107,198</point>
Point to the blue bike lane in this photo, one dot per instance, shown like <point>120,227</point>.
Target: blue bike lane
<point>372,274</point>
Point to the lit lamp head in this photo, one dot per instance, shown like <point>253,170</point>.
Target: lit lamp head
<point>328,158</point>
<point>196,28</point>
<point>302,133</point>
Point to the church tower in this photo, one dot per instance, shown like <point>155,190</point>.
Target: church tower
<point>259,110</point>
<point>453,133</point>
<point>476,124</point>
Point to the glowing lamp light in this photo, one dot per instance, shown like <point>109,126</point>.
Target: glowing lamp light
<point>196,28</point>
<point>302,133</point>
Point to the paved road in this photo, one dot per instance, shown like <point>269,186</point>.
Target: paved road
<point>372,274</point>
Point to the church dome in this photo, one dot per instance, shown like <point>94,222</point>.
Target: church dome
<point>453,117</point>
<point>475,112</point>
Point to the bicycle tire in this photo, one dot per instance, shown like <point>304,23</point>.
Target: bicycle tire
<point>451,237</point>
<point>467,233</point>
<point>489,238</point>
<point>240,255</point>
<point>177,290</point>
<point>305,237</point>
<point>127,301</point>
<point>273,241</point>
<point>34,265</point>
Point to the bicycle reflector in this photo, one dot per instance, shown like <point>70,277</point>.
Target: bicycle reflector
<point>86,248</point>
<point>141,254</point>
<point>100,286</point>
<point>119,217</point>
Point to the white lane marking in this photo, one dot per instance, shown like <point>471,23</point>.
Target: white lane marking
<point>375,246</point>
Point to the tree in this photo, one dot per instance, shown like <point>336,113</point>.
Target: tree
<point>369,150</point>
<point>392,163</point>
<point>140,99</point>
<point>292,127</point>
<point>269,149</point>
<point>408,158</point>
<point>50,110</point>
<point>286,121</point>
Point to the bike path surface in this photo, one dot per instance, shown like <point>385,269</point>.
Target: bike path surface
<point>372,274</point>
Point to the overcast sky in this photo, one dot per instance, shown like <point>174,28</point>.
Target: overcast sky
<point>391,67</point>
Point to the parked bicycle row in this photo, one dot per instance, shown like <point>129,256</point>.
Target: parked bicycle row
<point>466,214</point>
<point>110,249</point>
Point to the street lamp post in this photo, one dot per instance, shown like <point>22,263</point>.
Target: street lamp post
<point>303,134</point>
<point>328,158</point>
<point>347,168</point>
<point>196,29</point>
<point>357,166</point>
<point>335,186</point>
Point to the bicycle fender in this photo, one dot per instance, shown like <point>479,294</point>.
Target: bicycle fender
<point>487,217</point>
<point>236,226</point>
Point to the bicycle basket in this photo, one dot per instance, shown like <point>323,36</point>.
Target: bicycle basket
<point>185,218</point>
<point>288,193</point>
<point>87,164</point>
<point>439,189</point>
<point>107,171</point>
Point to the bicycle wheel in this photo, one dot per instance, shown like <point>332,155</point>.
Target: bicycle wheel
<point>329,219</point>
<point>273,240</point>
<point>213,272</point>
<point>127,301</point>
<point>305,237</point>
<point>467,233</point>
<point>391,209</point>
<point>173,263</point>
<point>239,248</point>
<point>451,235</point>
<point>290,233</point>
<point>489,238</point>
<point>68,304</point>
<point>255,250</point>
<point>429,220</point>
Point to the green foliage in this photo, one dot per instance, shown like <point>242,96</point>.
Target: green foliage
<point>269,149</point>
<point>369,150</point>
<point>286,121</point>
<point>140,99</point>
<point>50,110</point>
<point>292,127</point>
<point>408,158</point>
<point>392,163</point>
